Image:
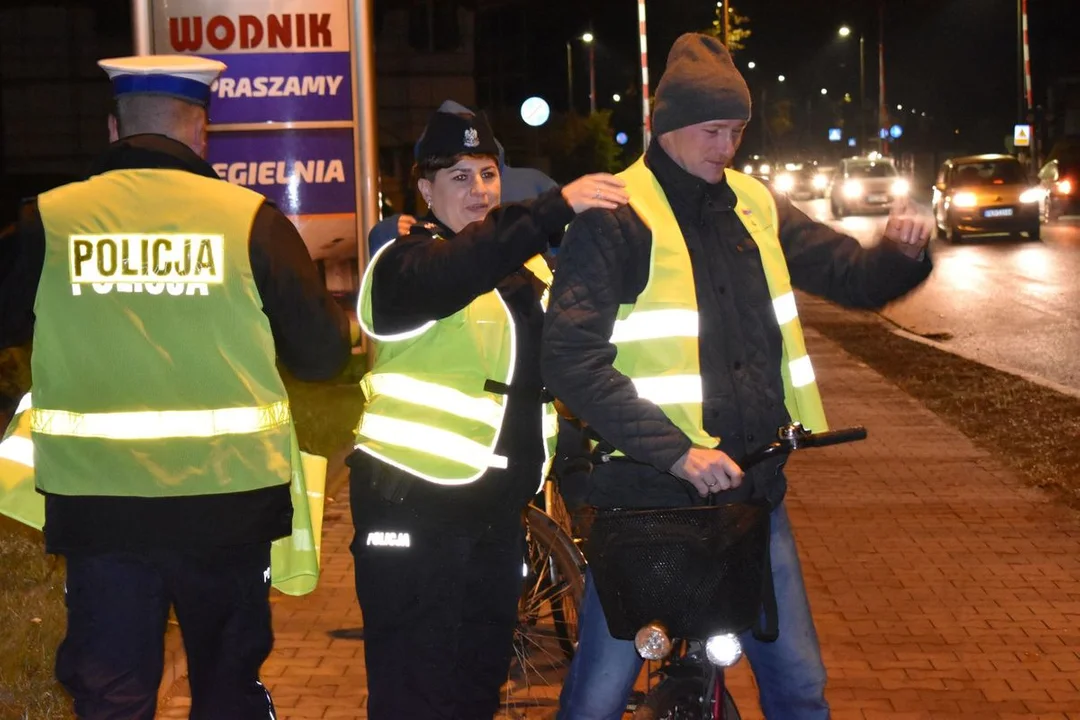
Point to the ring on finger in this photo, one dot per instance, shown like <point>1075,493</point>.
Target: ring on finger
<point>597,193</point>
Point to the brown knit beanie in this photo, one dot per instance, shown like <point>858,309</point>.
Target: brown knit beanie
<point>699,84</point>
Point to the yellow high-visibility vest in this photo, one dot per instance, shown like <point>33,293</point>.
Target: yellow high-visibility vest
<point>657,335</point>
<point>434,406</point>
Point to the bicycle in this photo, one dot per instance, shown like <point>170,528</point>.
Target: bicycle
<point>696,574</point>
<point>553,573</point>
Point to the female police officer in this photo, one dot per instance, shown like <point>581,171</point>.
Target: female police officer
<point>455,433</point>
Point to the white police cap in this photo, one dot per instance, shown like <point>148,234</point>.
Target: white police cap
<point>187,77</point>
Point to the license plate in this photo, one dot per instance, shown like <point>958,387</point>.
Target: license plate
<point>877,198</point>
<point>998,212</point>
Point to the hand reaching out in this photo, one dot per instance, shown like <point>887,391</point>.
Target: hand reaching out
<point>600,190</point>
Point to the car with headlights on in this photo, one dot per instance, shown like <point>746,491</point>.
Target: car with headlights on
<point>864,185</point>
<point>985,194</point>
<point>801,181</point>
<point>760,167</point>
<point>1059,179</point>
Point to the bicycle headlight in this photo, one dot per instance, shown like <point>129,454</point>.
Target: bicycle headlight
<point>723,650</point>
<point>652,642</point>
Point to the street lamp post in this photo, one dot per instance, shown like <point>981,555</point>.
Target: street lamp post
<point>588,39</point>
<point>844,32</point>
<point>569,78</point>
<point>883,114</point>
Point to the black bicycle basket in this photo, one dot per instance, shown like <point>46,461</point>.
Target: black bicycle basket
<point>696,570</point>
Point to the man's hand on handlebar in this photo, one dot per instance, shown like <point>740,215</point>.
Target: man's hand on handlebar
<point>708,470</point>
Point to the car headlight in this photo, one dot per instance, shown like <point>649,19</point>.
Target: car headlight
<point>1065,187</point>
<point>901,186</point>
<point>1031,195</point>
<point>965,200</point>
<point>853,189</point>
<point>765,169</point>
<point>784,182</point>
<point>748,169</point>
<point>819,182</point>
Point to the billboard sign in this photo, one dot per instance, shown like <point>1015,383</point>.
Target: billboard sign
<point>289,64</point>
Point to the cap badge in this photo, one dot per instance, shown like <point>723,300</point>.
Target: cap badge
<point>472,138</point>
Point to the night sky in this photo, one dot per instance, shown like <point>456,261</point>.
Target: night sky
<point>954,59</point>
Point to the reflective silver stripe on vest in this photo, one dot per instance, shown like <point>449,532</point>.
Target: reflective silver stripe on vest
<point>802,371</point>
<point>669,389</point>
<point>158,424</point>
<point>437,397</point>
<point>430,440</point>
<point>653,324</point>
<point>19,450</point>
<point>785,309</point>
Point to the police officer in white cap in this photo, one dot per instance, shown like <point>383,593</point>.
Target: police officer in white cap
<point>161,298</point>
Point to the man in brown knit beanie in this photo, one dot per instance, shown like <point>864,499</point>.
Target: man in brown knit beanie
<point>674,334</point>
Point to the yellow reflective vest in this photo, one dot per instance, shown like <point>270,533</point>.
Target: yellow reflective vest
<point>435,396</point>
<point>657,335</point>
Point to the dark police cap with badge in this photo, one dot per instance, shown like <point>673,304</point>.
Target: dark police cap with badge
<point>448,135</point>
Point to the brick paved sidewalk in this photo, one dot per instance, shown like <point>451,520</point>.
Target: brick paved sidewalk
<point>941,587</point>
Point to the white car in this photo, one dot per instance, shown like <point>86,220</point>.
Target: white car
<point>864,185</point>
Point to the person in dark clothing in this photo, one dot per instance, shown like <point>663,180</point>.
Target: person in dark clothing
<point>674,335</point>
<point>455,430</point>
<point>161,430</point>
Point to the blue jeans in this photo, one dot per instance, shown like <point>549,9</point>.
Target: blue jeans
<point>789,672</point>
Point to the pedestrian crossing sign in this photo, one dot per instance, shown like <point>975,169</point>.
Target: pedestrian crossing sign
<point>1022,136</point>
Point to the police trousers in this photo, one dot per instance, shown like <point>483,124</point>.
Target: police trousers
<point>439,610</point>
<point>111,659</point>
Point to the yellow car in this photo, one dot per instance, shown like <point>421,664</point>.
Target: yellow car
<point>985,194</point>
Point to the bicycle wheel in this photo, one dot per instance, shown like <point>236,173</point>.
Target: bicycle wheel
<point>679,698</point>
<point>554,582</point>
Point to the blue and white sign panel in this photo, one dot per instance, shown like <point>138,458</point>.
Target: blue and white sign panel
<point>302,172</point>
<point>288,62</point>
<point>836,134</point>
<point>282,88</point>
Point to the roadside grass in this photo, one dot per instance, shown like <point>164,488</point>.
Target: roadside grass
<point>32,616</point>
<point>1031,429</point>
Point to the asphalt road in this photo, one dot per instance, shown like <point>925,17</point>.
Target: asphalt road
<point>1003,301</point>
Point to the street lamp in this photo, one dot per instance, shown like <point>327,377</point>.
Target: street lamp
<point>780,78</point>
<point>586,38</point>
<point>824,91</point>
<point>751,64</point>
<point>844,32</point>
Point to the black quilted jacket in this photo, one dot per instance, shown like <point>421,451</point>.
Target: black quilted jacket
<point>604,261</point>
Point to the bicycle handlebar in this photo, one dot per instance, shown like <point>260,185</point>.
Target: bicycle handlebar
<point>794,436</point>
